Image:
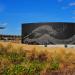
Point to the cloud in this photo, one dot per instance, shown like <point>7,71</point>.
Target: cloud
<point>69,5</point>
<point>3,24</point>
<point>72,4</point>
<point>73,17</point>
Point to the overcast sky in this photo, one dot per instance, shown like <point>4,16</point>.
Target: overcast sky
<point>15,12</point>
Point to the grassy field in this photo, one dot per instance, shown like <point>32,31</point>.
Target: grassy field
<point>20,59</point>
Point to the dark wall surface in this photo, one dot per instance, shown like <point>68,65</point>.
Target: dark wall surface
<point>48,33</point>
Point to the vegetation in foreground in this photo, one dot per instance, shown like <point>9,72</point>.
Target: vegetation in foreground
<point>20,60</point>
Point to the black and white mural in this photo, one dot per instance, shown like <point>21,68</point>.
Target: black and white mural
<point>48,33</point>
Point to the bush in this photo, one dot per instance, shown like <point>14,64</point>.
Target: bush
<point>35,68</point>
<point>15,58</point>
<point>42,56</point>
<point>15,70</point>
<point>2,49</point>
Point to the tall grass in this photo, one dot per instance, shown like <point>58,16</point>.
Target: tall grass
<point>17,59</point>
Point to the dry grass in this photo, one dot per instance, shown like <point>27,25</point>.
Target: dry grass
<point>21,59</point>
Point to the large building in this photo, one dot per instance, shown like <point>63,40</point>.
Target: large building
<point>48,33</point>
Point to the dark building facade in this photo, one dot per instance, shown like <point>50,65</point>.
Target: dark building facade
<point>48,33</point>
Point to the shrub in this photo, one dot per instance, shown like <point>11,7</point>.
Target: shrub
<point>43,55</point>
<point>34,68</point>
<point>32,55</point>
<point>15,70</point>
<point>2,49</point>
<point>54,63</point>
<point>15,58</point>
<point>4,62</point>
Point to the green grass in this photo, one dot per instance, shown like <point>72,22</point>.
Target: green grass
<point>18,61</point>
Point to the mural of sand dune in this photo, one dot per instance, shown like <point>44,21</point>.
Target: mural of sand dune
<point>48,33</point>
